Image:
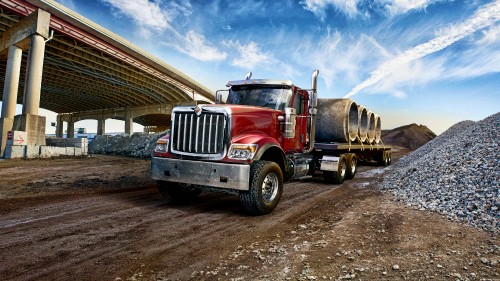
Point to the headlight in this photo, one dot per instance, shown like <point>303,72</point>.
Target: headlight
<point>242,151</point>
<point>161,145</point>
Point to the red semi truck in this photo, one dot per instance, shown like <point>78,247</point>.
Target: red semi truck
<point>262,136</point>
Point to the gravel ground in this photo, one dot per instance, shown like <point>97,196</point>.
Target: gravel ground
<point>102,218</point>
<point>456,174</point>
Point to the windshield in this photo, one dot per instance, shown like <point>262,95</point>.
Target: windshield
<point>274,97</point>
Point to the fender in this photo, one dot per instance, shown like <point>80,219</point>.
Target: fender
<point>265,144</point>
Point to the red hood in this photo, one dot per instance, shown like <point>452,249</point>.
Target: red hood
<point>254,120</point>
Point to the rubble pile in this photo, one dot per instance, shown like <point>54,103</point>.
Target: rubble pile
<point>138,145</point>
<point>456,174</point>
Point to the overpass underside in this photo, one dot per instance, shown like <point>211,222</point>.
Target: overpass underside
<point>60,61</point>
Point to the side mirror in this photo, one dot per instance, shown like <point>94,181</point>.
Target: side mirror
<point>290,121</point>
<point>220,97</point>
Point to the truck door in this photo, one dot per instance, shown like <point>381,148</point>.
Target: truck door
<point>297,144</point>
<point>300,104</point>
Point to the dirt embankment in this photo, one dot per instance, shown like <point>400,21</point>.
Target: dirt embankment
<point>410,136</point>
<point>101,218</point>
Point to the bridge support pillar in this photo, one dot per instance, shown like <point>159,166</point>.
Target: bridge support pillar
<point>129,122</point>
<point>30,121</point>
<point>70,133</point>
<point>10,89</point>
<point>34,71</point>
<point>60,127</point>
<point>101,126</point>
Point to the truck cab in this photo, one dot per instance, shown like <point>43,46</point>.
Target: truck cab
<point>281,96</point>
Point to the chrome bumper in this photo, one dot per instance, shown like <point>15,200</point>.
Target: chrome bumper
<point>221,175</point>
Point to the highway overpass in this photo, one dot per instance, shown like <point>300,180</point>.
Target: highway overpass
<point>54,58</point>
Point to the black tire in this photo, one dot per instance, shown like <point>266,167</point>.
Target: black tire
<point>337,177</point>
<point>382,159</point>
<point>352,165</point>
<point>177,191</point>
<point>266,187</point>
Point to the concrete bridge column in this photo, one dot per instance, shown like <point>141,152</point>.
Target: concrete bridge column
<point>101,126</point>
<point>129,123</point>
<point>33,86</point>
<point>70,133</point>
<point>10,90</point>
<point>30,121</point>
<point>60,127</point>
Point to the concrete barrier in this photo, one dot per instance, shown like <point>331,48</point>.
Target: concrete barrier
<point>14,151</point>
<point>82,143</point>
<point>32,151</point>
<point>52,151</point>
<point>57,147</point>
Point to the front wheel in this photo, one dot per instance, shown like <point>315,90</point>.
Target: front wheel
<point>178,191</point>
<point>266,187</point>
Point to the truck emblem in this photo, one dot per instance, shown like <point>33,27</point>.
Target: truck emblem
<point>197,110</point>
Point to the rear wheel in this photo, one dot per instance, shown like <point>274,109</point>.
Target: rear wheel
<point>338,176</point>
<point>178,191</point>
<point>352,165</point>
<point>266,187</point>
<point>384,158</point>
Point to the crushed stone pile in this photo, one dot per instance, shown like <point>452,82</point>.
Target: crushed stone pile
<point>138,145</point>
<point>456,174</point>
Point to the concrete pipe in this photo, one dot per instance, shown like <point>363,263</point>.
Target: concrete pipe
<point>363,123</point>
<point>378,129</point>
<point>336,120</point>
<point>371,127</point>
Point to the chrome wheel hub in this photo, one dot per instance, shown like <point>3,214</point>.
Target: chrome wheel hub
<point>270,187</point>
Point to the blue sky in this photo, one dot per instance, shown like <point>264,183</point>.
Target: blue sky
<point>431,62</point>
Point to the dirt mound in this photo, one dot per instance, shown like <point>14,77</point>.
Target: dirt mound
<point>410,136</point>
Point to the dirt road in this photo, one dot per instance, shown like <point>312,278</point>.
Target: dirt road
<point>101,218</point>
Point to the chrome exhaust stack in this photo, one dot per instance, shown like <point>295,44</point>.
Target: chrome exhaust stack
<point>313,103</point>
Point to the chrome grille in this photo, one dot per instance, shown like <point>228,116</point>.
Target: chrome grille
<point>193,134</point>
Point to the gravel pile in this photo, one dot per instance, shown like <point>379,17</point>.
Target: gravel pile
<point>456,174</point>
<point>138,145</point>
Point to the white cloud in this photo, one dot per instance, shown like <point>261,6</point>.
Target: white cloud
<point>340,58</point>
<point>353,8</point>
<point>477,58</point>
<point>490,36</point>
<point>145,13</point>
<point>249,55</point>
<point>196,46</point>
<point>395,7</point>
<point>152,17</point>
<point>318,7</point>
<point>484,17</point>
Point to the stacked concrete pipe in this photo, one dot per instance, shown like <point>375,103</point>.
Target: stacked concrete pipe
<point>336,120</point>
<point>371,128</point>
<point>363,123</point>
<point>378,129</point>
